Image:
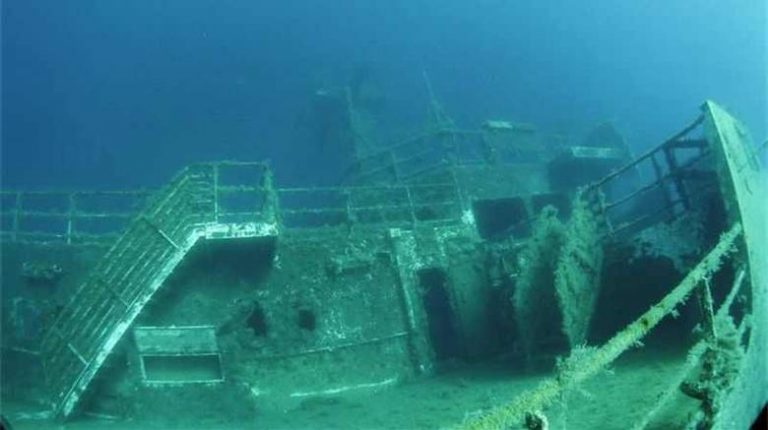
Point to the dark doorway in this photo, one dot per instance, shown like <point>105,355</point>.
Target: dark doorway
<point>499,218</point>
<point>257,320</point>
<point>440,316</point>
<point>307,320</point>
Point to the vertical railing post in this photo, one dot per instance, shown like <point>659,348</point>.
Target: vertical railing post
<point>411,208</point>
<point>464,205</point>
<point>603,209</point>
<point>351,219</point>
<point>271,204</point>
<point>660,179</point>
<point>393,163</point>
<point>676,178</point>
<point>450,147</point>
<point>707,309</point>
<point>455,143</point>
<point>16,215</point>
<point>489,148</point>
<point>70,217</point>
<point>216,192</point>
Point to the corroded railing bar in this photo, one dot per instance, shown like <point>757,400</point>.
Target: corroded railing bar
<point>425,135</point>
<point>97,241</point>
<point>76,214</point>
<point>86,215</point>
<point>546,392</point>
<point>414,156</point>
<point>123,250</point>
<point>699,120</point>
<point>645,218</point>
<point>78,192</point>
<point>240,189</point>
<point>154,259</point>
<point>16,209</point>
<point>362,188</point>
<point>97,317</point>
<point>216,189</point>
<point>235,163</point>
<point>384,162</point>
<point>694,356</point>
<point>403,143</point>
<point>707,308</point>
<point>196,187</point>
<point>404,207</point>
<point>161,204</point>
<point>70,219</point>
<point>387,167</point>
<point>69,232</point>
<point>434,167</point>
<point>147,256</point>
<point>44,214</point>
<point>731,297</point>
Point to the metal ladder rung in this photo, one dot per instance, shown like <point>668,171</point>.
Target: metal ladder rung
<point>161,232</point>
<point>77,354</point>
<point>685,143</point>
<point>116,294</point>
<point>91,300</point>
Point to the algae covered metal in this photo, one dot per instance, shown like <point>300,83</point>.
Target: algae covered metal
<point>230,296</point>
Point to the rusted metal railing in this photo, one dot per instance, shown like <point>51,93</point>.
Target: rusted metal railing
<point>192,206</point>
<point>593,361</point>
<point>670,182</point>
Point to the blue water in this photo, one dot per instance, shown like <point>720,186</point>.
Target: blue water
<point>116,94</point>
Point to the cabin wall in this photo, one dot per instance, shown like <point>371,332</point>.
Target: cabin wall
<point>311,313</point>
<point>305,315</point>
<point>334,319</point>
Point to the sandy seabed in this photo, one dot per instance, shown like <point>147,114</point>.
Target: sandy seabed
<point>615,399</point>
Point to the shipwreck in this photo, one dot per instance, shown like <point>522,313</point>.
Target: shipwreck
<point>229,294</point>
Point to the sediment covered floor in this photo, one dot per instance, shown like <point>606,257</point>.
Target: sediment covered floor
<point>614,400</point>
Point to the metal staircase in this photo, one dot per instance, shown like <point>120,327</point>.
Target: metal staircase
<point>117,289</point>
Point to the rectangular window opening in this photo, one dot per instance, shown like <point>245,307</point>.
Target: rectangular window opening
<point>162,369</point>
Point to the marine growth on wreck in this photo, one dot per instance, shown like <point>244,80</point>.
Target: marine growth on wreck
<point>225,215</point>
<point>226,298</point>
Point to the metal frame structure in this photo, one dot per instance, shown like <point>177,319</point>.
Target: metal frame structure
<point>137,264</point>
<point>741,187</point>
<point>64,216</point>
<point>294,208</point>
<point>446,146</point>
<point>670,180</point>
<point>201,203</point>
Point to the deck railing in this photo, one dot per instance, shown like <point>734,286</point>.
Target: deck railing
<point>198,202</point>
<point>233,190</point>
<point>435,149</point>
<point>678,170</point>
<point>79,217</point>
<point>397,205</point>
<point>589,363</point>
